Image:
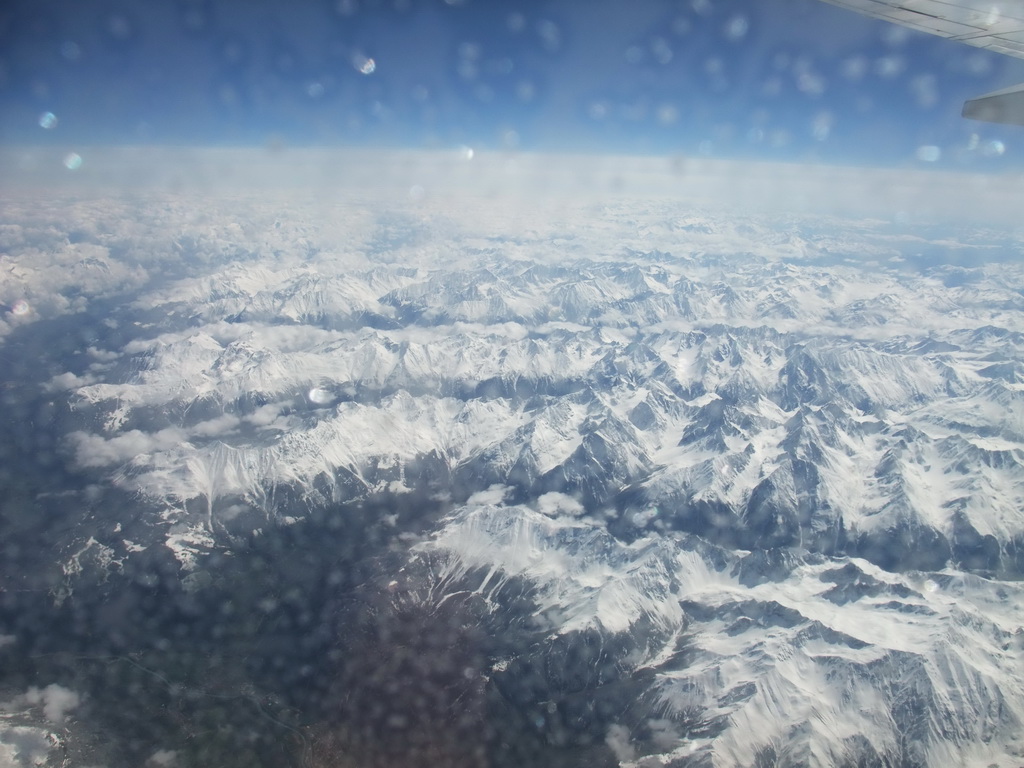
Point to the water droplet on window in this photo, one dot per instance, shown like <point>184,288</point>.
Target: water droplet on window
<point>736,28</point>
<point>928,153</point>
<point>634,54</point>
<point>48,120</point>
<point>855,67</point>
<point>890,66</point>
<point>772,86</point>
<point>364,64</point>
<point>681,26</point>
<point>119,27</point>
<point>667,114</point>
<point>993,148</point>
<point>597,110</point>
<point>320,396</point>
<point>470,51</point>
<point>780,138</point>
<point>894,35</point>
<point>822,126</point>
<point>926,90</point>
<point>228,96</point>
<point>233,52</point>
<point>72,161</point>
<point>525,91</point>
<point>550,35</point>
<point>70,50</point>
<point>195,19</point>
<point>661,51</point>
<point>979,64</point>
<point>810,83</point>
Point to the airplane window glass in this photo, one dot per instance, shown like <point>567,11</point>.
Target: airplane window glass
<point>479,384</point>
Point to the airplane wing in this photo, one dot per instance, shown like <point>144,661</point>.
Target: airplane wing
<point>994,25</point>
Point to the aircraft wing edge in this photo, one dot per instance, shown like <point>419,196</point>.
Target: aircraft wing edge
<point>1005,106</point>
<point>999,29</point>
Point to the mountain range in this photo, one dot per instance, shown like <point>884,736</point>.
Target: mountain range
<point>754,498</point>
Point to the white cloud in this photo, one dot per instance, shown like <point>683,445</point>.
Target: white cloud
<point>523,181</point>
<point>65,381</point>
<point>618,740</point>
<point>56,701</point>
<point>493,496</point>
<point>163,758</point>
<point>103,355</point>
<point>554,504</point>
<point>268,415</point>
<point>97,451</point>
<point>214,427</point>
<point>23,745</point>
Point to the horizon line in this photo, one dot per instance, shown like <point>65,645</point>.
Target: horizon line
<point>410,175</point>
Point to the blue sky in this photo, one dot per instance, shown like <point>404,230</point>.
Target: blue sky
<point>790,80</point>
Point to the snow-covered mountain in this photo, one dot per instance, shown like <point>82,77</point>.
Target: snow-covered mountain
<point>775,656</point>
<point>653,390</point>
<point>733,492</point>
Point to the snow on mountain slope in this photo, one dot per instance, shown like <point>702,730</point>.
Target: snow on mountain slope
<point>839,662</point>
<point>763,656</point>
<point>399,428</point>
<point>803,441</point>
<point>587,579</point>
<point>774,476</point>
